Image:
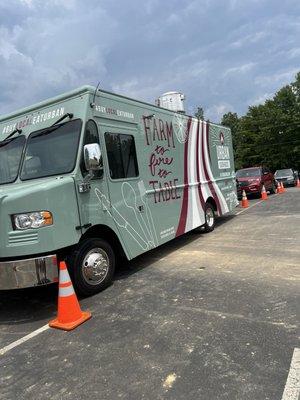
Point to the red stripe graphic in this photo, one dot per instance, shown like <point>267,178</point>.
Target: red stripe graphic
<point>207,142</point>
<point>198,167</point>
<point>211,187</point>
<point>184,207</point>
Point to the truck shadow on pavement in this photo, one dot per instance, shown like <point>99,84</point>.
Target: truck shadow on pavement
<point>126,268</point>
<point>25,306</point>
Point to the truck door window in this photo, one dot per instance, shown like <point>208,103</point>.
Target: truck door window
<point>121,155</point>
<point>90,136</point>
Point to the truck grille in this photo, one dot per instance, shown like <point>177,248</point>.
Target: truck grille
<point>17,238</point>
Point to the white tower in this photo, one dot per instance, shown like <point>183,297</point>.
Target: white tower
<point>172,101</point>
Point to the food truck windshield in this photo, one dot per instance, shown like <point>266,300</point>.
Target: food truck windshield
<point>51,151</point>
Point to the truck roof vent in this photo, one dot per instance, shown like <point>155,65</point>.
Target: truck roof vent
<point>172,101</point>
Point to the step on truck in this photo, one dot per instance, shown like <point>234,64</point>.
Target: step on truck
<point>90,174</point>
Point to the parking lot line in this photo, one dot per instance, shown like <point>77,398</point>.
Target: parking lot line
<point>23,339</point>
<point>292,387</point>
<point>245,209</point>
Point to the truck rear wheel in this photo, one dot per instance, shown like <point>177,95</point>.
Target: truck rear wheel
<point>210,218</point>
<point>92,266</point>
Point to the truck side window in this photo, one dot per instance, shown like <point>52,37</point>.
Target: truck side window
<point>121,155</point>
<point>90,136</point>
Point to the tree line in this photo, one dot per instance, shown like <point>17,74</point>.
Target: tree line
<point>268,134</point>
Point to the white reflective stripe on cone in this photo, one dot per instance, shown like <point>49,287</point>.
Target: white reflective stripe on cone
<point>66,291</point>
<point>64,276</point>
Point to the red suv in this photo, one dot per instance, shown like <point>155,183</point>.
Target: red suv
<point>252,179</point>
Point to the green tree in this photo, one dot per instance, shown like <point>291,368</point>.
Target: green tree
<point>269,133</point>
<point>231,120</point>
<point>199,113</point>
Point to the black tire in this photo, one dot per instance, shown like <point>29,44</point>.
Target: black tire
<point>88,280</point>
<point>209,225</point>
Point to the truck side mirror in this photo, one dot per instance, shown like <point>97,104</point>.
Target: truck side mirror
<point>92,157</point>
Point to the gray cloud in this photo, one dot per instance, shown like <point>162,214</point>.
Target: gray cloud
<point>224,55</point>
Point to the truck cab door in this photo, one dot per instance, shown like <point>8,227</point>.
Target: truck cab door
<point>92,209</point>
<point>129,205</point>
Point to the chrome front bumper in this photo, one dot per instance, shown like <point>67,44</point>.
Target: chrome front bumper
<point>28,273</point>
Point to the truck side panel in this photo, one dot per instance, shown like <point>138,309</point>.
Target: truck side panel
<point>179,171</point>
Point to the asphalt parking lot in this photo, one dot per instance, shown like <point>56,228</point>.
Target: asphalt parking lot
<point>206,316</point>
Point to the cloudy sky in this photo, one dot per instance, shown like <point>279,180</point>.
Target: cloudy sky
<point>223,54</point>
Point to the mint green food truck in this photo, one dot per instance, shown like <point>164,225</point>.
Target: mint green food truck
<point>89,175</point>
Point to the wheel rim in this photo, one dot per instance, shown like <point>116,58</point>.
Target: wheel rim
<point>210,217</point>
<point>95,266</point>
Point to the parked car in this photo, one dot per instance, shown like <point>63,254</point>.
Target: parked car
<point>287,176</point>
<point>252,180</point>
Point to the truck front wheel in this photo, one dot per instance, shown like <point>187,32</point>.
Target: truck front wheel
<point>91,266</point>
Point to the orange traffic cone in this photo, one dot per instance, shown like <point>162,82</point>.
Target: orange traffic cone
<point>69,314</point>
<point>279,189</point>
<point>298,183</point>
<point>282,188</point>
<point>245,202</point>
<point>264,195</point>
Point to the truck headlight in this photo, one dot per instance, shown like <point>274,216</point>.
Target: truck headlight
<point>32,220</point>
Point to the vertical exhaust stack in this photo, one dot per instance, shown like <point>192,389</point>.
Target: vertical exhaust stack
<point>172,101</point>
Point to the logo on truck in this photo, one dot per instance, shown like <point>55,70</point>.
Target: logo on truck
<point>159,135</point>
<point>222,138</point>
<point>34,120</point>
<point>180,128</point>
<point>219,140</point>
